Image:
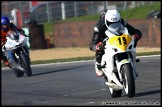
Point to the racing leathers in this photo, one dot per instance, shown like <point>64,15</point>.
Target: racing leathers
<point>3,39</point>
<point>99,35</point>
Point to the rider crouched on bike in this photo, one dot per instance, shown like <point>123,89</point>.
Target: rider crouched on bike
<point>5,27</point>
<point>96,45</point>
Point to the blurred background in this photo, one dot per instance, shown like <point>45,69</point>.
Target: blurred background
<point>47,11</point>
<point>55,23</point>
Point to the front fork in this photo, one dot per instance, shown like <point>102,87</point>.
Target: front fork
<point>130,59</point>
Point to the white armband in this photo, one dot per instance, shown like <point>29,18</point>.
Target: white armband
<point>96,29</point>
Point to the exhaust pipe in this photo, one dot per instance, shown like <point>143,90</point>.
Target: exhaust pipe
<point>114,86</point>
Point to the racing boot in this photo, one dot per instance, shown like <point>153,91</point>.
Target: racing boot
<point>99,72</point>
<point>6,63</point>
<point>5,60</point>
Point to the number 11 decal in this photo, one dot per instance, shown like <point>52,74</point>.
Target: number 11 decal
<point>124,42</point>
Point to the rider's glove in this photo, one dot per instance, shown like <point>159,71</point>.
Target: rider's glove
<point>99,46</point>
<point>2,46</point>
<point>22,32</point>
<point>2,43</point>
<point>136,38</point>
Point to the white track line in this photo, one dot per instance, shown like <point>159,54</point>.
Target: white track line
<point>76,61</point>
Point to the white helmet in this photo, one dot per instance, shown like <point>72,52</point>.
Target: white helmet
<point>111,15</point>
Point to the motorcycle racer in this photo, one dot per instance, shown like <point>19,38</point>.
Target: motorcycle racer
<point>6,26</point>
<point>96,44</point>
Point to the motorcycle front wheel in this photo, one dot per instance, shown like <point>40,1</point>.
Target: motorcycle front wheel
<point>26,64</point>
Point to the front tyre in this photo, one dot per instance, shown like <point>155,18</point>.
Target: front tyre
<point>128,79</point>
<point>26,64</point>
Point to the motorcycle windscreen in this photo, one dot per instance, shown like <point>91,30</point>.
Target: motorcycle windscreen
<point>116,28</point>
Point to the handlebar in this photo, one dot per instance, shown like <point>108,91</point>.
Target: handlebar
<point>105,40</point>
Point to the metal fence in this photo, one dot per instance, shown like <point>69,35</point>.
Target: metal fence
<point>43,11</point>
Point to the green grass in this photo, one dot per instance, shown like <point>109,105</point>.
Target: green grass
<point>134,13</point>
<point>139,12</point>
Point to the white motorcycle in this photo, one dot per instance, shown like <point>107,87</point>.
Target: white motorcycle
<point>17,44</point>
<point>118,62</point>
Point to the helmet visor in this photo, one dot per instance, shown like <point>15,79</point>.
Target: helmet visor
<point>116,28</point>
<point>108,23</point>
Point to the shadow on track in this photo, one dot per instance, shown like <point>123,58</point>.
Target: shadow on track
<point>65,69</point>
<point>148,93</point>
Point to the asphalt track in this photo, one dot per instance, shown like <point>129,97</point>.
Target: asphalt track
<point>76,84</point>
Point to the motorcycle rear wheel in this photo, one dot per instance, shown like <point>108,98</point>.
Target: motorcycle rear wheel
<point>17,72</point>
<point>113,93</point>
